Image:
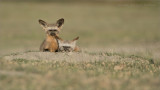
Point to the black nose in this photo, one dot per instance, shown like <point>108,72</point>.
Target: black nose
<point>53,30</point>
<point>52,34</point>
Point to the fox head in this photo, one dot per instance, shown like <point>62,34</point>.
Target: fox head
<point>52,29</point>
<point>66,45</point>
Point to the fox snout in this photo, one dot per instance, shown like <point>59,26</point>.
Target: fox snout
<point>66,49</point>
<point>53,32</point>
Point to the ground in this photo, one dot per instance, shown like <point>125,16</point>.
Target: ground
<point>120,46</point>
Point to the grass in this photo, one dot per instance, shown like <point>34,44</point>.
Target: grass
<point>90,69</point>
<point>39,74</point>
<point>119,42</point>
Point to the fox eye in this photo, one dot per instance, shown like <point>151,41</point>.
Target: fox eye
<point>55,30</point>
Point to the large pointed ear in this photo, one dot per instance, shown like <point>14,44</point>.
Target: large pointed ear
<point>60,22</point>
<point>75,39</point>
<point>42,23</point>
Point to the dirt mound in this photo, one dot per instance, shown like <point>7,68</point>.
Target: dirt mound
<point>87,55</point>
<point>70,56</point>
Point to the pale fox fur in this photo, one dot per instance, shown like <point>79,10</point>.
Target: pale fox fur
<point>67,45</point>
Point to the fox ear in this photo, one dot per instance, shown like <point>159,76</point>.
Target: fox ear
<point>60,22</point>
<point>42,23</point>
<point>75,39</point>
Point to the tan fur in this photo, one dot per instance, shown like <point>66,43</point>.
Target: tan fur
<point>76,49</point>
<point>50,43</point>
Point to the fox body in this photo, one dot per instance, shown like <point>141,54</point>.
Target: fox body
<point>52,30</point>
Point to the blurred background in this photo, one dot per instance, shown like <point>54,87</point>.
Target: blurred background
<point>98,23</point>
